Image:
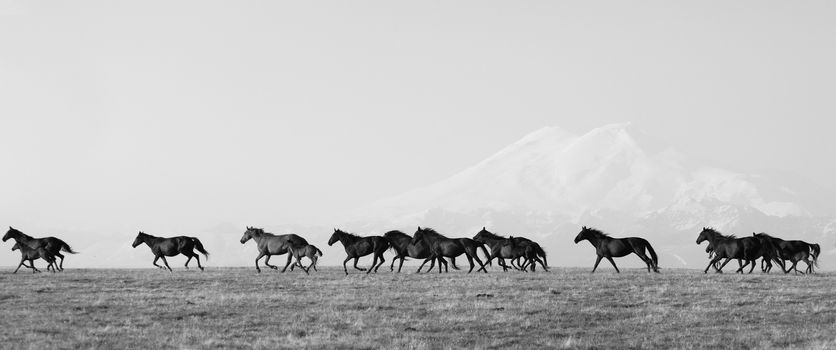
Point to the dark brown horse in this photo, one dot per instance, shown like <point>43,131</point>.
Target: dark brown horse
<point>356,247</point>
<point>794,251</point>
<point>53,245</point>
<point>163,247</point>
<point>493,241</point>
<point>30,254</point>
<point>746,249</point>
<point>441,246</point>
<point>609,247</point>
<point>402,244</point>
<point>270,244</point>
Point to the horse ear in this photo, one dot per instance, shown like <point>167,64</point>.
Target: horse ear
<point>419,228</point>
<point>483,228</point>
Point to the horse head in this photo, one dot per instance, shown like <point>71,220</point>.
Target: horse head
<point>16,246</point>
<point>706,234</point>
<point>248,234</point>
<point>584,234</point>
<point>481,235</point>
<point>140,238</point>
<point>9,234</point>
<point>418,236</point>
<point>334,237</point>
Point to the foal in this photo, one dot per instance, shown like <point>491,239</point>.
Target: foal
<point>30,254</point>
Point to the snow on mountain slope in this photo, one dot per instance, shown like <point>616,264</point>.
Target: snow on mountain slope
<point>552,171</point>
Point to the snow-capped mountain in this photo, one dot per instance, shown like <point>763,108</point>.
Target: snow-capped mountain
<point>614,177</point>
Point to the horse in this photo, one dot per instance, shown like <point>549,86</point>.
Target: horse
<point>162,247</point>
<point>357,247</point>
<point>510,249</point>
<point>402,244</point>
<point>310,251</point>
<point>794,251</point>
<point>493,240</point>
<point>30,254</point>
<point>730,247</point>
<point>609,247</point>
<point>269,244</point>
<point>768,252</point>
<point>442,246</point>
<point>53,245</point>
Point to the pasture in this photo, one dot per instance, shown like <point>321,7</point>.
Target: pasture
<point>564,308</point>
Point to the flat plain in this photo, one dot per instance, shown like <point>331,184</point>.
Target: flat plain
<point>563,308</point>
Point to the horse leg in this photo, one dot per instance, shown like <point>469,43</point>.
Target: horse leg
<point>374,263</point>
<point>260,254</point>
<point>644,258</point>
<point>267,262</point>
<point>392,265</point>
<point>34,269</point>
<point>720,270</point>
<point>187,261</point>
<point>597,261</point>
<point>299,263</point>
<point>21,264</point>
<point>166,263</point>
<point>419,267</point>
<point>470,261</point>
<point>155,262</point>
<point>345,268</point>
<point>355,264</point>
<point>197,257</point>
<point>479,261</point>
<point>61,265</point>
<point>289,258</point>
<point>754,263</point>
<point>441,261</point>
<point>453,261</point>
<point>742,265</point>
<point>382,260</point>
<point>613,264</point>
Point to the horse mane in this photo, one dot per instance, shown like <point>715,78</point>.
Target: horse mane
<point>349,234</point>
<point>718,233</point>
<point>433,232</point>
<point>18,232</point>
<point>395,233</point>
<point>491,235</point>
<point>764,234</point>
<point>597,232</point>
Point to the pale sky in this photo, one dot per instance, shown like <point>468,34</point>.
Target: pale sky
<point>174,116</point>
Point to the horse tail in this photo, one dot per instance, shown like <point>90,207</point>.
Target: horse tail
<point>66,247</point>
<point>542,253</point>
<point>199,247</point>
<point>653,255</point>
<point>385,242</point>
<point>815,250</point>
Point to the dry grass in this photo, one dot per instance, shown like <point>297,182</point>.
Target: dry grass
<point>566,308</point>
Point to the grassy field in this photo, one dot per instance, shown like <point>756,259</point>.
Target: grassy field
<point>564,308</point>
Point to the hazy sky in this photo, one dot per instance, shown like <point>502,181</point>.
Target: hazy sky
<point>180,115</point>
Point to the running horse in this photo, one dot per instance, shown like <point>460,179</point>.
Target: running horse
<point>162,247</point>
<point>441,246</point>
<point>356,247</point>
<point>270,244</point>
<point>402,244</point>
<point>28,253</point>
<point>609,247</point>
<point>52,245</point>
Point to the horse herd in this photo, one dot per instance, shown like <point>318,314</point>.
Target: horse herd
<point>433,247</point>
